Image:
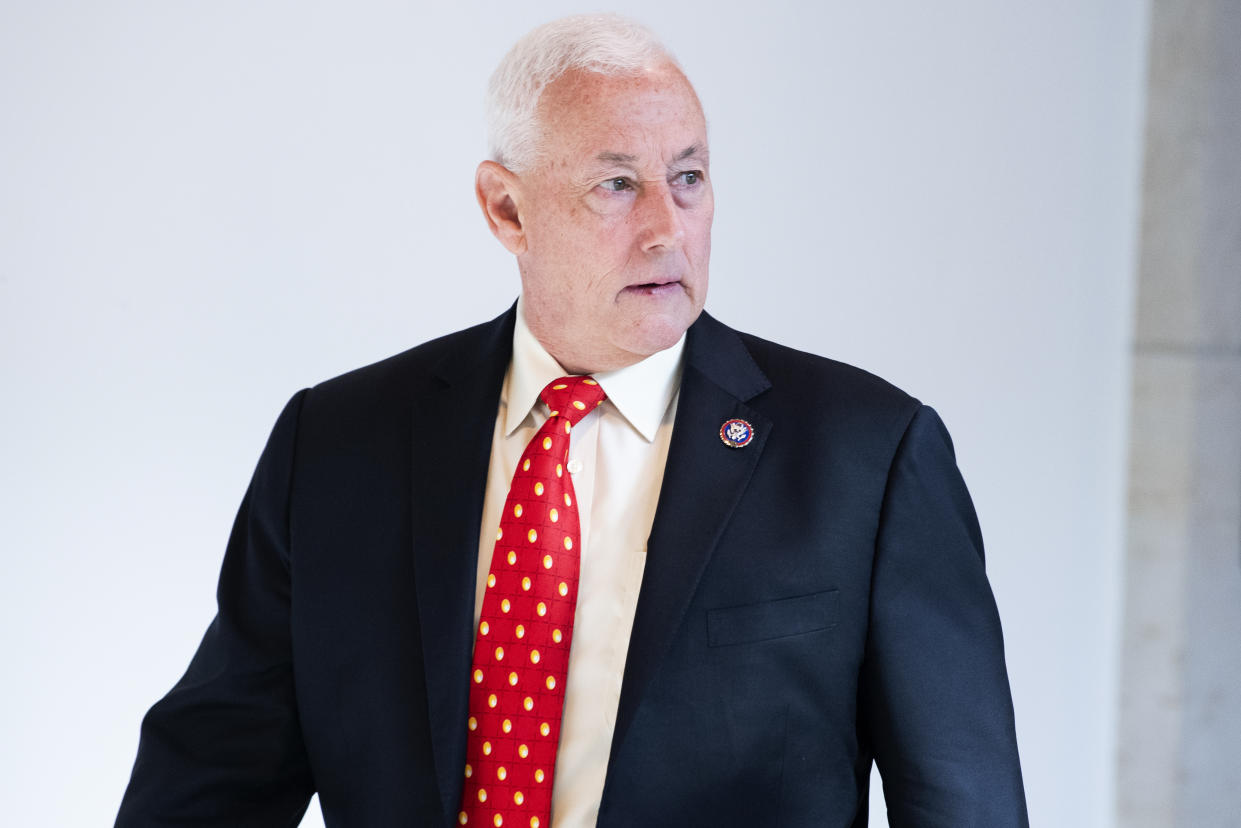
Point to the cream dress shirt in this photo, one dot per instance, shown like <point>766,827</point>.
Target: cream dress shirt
<point>616,458</point>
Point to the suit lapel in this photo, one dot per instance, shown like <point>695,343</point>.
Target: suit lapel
<point>453,422</point>
<point>719,377</point>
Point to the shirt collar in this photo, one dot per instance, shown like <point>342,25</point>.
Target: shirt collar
<point>641,392</point>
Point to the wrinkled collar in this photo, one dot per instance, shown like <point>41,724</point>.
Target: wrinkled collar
<point>641,392</point>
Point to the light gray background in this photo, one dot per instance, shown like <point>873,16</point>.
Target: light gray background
<point>206,206</point>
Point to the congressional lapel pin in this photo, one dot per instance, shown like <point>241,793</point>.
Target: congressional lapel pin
<point>736,433</point>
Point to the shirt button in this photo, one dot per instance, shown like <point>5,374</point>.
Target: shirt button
<point>575,466</point>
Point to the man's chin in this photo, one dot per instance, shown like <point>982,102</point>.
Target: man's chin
<point>660,331</point>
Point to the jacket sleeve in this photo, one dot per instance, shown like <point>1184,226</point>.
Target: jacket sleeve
<point>224,746</point>
<point>934,696</point>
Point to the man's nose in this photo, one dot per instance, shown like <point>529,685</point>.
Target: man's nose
<point>661,218</point>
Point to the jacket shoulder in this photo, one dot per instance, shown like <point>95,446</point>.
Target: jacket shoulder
<point>827,385</point>
<point>462,353</point>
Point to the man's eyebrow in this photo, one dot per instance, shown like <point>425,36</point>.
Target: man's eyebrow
<point>624,158</point>
<point>616,157</point>
<point>689,152</point>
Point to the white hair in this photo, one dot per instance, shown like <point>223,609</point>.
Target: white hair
<point>605,43</point>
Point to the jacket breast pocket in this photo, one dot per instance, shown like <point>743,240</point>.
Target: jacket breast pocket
<point>772,619</point>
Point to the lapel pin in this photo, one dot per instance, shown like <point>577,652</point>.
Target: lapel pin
<point>736,433</point>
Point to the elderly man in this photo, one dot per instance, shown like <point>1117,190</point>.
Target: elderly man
<point>602,560</point>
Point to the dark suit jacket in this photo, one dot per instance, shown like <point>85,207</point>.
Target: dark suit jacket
<point>811,602</point>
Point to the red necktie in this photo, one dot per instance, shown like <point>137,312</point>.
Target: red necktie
<point>521,651</point>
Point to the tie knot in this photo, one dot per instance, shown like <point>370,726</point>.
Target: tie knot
<point>572,397</point>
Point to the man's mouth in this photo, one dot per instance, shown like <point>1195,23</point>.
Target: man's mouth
<point>658,287</point>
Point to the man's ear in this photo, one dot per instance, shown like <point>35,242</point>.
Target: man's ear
<point>497,190</point>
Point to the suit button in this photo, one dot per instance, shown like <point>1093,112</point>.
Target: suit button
<point>575,466</point>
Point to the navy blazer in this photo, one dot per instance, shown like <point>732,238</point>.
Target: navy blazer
<point>812,602</point>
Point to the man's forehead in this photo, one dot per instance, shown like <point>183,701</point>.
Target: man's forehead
<point>637,121</point>
<point>656,93</point>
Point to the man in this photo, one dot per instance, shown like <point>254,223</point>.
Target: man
<point>766,563</point>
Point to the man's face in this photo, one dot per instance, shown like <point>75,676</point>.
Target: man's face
<point>616,217</point>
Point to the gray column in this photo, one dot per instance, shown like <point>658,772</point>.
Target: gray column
<point>1179,736</point>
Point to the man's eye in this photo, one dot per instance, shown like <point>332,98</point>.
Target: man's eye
<point>690,177</point>
<point>617,185</point>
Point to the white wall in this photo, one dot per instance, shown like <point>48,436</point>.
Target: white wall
<point>206,206</point>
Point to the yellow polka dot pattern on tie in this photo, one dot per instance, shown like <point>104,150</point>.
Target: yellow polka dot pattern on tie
<point>521,652</point>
